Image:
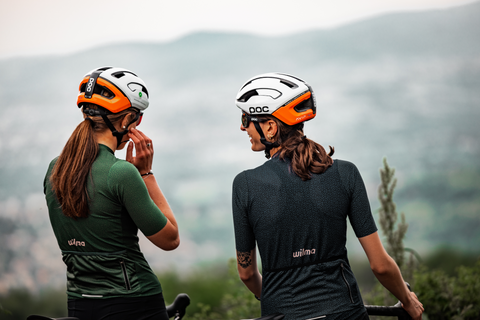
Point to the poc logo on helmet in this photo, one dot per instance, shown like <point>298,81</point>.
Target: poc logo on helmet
<point>258,109</point>
<point>90,84</point>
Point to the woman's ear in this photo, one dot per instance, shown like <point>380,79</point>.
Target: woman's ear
<point>271,129</point>
<point>126,120</point>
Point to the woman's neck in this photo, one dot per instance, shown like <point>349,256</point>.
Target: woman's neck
<point>274,150</point>
<point>108,139</point>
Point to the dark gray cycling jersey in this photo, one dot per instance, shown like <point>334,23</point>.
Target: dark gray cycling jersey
<point>300,230</point>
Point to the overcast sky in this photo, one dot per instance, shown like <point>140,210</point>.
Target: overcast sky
<point>33,27</point>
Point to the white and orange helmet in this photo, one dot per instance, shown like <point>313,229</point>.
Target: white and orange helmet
<point>287,98</point>
<point>115,89</point>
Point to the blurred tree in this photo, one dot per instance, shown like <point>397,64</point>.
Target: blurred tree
<point>388,219</point>
<point>389,216</point>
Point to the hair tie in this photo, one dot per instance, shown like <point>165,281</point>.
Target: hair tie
<point>304,138</point>
<point>92,123</point>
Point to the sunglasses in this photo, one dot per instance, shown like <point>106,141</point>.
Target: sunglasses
<point>246,119</point>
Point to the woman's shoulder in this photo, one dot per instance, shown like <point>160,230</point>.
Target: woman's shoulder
<point>247,174</point>
<point>344,165</point>
<point>52,164</point>
<point>53,161</point>
<point>123,167</point>
<point>256,170</point>
<point>348,172</point>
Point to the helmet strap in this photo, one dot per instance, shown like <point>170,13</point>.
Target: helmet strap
<point>268,145</point>
<point>118,135</point>
<point>92,81</point>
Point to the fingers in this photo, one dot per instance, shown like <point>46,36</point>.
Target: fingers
<point>142,142</point>
<point>415,308</point>
<point>143,151</point>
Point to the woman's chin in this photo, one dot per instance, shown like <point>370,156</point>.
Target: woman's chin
<point>257,148</point>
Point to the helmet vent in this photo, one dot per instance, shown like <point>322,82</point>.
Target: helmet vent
<point>248,95</point>
<point>101,90</point>
<point>288,83</point>
<point>137,87</point>
<point>304,105</point>
<point>120,74</point>
<point>103,69</point>
<point>269,92</point>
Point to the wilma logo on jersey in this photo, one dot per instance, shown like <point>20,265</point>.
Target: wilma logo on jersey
<point>76,243</point>
<point>303,252</point>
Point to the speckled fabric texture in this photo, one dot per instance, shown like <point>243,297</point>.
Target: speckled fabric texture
<point>300,230</point>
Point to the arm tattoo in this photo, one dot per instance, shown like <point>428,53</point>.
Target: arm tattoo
<point>244,259</point>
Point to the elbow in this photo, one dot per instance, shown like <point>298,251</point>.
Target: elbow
<point>379,270</point>
<point>245,277</point>
<point>246,274</point>
<point>384,267</point>
<point>172,245</point>
<point>167,241</point>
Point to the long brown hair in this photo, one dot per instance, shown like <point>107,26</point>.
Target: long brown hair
<point>73,166</point>
<point>306,155</point>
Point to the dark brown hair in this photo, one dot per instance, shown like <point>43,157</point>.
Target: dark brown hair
<point>73,166</point>
<point>306,155</point>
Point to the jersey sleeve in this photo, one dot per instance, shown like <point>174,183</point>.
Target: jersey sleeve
<point>360,213</point>
<point>125,181</point>
<point>244,236</point>
<point>46,183</point>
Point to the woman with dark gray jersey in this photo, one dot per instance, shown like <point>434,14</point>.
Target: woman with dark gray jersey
<point>294,208</point>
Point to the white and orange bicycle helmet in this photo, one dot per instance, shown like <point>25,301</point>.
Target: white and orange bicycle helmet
<point>114,90</point>
<point>285,97</point>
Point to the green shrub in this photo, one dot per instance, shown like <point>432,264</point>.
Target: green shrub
<point>20,303</point>
<point>446,297</point>
<point>236,303</point>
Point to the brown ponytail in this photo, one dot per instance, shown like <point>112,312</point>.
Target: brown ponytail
<point>69,176</point>
<point>70,173</point>
<point>306,155</point>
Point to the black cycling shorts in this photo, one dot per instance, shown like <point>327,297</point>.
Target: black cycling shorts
<point>141,308</point>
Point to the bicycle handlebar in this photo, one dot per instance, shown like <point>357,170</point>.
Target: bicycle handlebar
<point>392,311</point>
<point>395,310</point>
<point>178,308</point>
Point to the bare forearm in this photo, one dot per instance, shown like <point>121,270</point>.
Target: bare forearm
<point>388,273</point>
<point>391,278</point>
<point>157,196</point>
<point>254,284</point>
<point>168,238</point>
<point>248,271</point>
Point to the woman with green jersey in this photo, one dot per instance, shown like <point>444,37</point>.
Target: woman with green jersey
<point>97,203</point>
<point>294,208</point>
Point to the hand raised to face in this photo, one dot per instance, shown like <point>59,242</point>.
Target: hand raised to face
<point>143,158</point>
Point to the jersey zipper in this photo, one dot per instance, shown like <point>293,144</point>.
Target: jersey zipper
<point>346,282</point>
<point>125,275</point>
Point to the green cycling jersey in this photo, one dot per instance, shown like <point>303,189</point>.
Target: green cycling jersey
<point>101,252</point>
